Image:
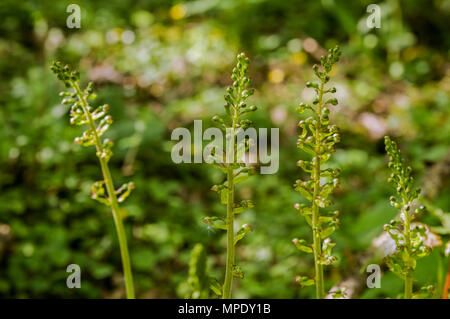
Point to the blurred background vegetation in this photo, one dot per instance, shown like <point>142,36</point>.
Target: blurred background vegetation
<point>161,64</point>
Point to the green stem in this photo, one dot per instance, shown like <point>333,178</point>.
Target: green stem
<point>409,276</point>
<point>317,245</point>
<point>230,237</point>
<point>408,287</point>
<point>230,205</point>
<point>113,198</point>
<point>230,215</point>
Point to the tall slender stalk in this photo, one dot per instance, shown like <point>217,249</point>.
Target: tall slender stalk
<point>230,163</point>
<point>409,238</point>
<point>315,225</point>
<point>318,139</point>
<point>408,276</point>
<point>230,237</point>
<point>82,114</point>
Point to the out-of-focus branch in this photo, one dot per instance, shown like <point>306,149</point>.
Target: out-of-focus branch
<point>5,238</point>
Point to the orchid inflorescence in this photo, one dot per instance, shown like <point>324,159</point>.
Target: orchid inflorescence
<point>317,138</point>
<point>408,237</point>
<point>81,113</point>
<point>230,163</point>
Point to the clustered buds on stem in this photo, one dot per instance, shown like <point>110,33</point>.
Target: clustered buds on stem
<point>236,170</point>
<point>81,113</point>
<point>317,138</point>
<point>408,237</point>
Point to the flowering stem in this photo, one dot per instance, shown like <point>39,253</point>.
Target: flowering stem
<point>409,239</point>
<point>112,196</point>
<point>230,215</point>
<point>229,163</point>
<point>230,236</point>
<point>315,209</point>
<point>409,276</point>
<point>318,138</point>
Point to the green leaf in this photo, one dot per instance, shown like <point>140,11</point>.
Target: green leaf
<point>216,222</point>
<point>327,232</point>
<point>242,206</point>
<point>304,192</point>
<point>240,178</point>
<point>307,149</point>
<point>246,228</point>
<point>302,245</point>
<point>304,281</point>
<point>215,286</point>
<point>308,220</point>
<point>239,210</point>
<point>326,190</point>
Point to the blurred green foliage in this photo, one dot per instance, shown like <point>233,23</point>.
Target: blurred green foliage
<point>162,64</point>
